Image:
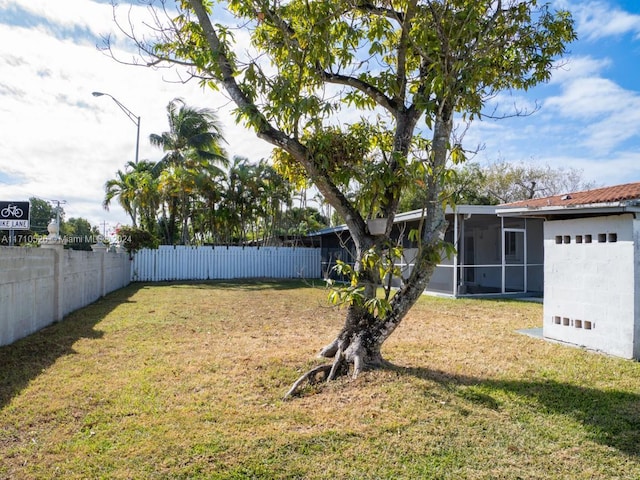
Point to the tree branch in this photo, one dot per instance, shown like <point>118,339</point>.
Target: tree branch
<point>385,12</point>
<point>391,105</point>
<point>269,133</point>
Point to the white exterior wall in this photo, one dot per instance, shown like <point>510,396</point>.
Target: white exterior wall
<point>38,286</point>
<point>591,289</point>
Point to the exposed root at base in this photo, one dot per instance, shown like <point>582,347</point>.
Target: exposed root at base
<point>329,372</point>
<point>311,376</point>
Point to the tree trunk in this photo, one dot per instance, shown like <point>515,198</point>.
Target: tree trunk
<point>358,346</point>
<point>184,234</point>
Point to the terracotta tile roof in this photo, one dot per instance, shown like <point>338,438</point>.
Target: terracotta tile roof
<point>615,194</point>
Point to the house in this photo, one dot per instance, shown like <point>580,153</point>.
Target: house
<point>591,266</point>
<point>495,255</point>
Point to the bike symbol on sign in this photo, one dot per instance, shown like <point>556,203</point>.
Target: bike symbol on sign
<point>11,210</point>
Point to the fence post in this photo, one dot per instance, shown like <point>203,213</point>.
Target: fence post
<point>101,249</point>
<point>58,279</point>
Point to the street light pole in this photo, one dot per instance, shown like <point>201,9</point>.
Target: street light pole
<point>132,116</point>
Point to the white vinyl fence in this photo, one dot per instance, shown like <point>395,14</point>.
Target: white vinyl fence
<point>224,263</point>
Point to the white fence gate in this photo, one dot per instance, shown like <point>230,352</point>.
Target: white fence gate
<point>211,263</point>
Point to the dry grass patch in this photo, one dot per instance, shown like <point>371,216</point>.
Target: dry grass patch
<point>185,381</point>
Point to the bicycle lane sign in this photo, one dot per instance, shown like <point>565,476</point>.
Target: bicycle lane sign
<point>14,215</point>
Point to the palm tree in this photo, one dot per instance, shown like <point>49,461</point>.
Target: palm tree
<point>192,146</point>
<point>205,219</point>
<point>148,195</point>
<point>276,194</point>
<point>124,187</point>
<point>240,201</point>
<point>136,191</point>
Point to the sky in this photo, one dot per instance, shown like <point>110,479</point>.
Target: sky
<point>60,143</point>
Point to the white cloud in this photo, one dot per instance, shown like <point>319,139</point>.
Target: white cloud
<point>587,98</point>
<point>608,113</point>
<point>598,19</point>
<point>573,67</point>
<point>605,170</point>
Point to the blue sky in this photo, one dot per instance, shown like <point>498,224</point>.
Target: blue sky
<point>58,142</point>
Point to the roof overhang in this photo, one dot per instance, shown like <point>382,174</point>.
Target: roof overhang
<point>588,210</point>
<point>414,215</point>
<point>458,209</point>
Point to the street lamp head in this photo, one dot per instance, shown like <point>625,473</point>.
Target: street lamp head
<point>132,116</point>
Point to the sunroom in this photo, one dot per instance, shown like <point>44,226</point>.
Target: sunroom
<point>494,255</point>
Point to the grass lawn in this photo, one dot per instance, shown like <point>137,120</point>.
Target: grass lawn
<point>175,381</point>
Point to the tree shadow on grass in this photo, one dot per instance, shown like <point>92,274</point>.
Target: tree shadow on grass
<point>611,417</point>
<point>25,359</point>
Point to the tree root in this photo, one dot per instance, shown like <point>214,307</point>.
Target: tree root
<point>339,358</point>
<point>330,350</point>
<point>344,353</point>
<point>311,376</point>
<point>329,372</point>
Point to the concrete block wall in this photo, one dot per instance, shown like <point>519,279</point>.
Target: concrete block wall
<point>39,286</point>
<point>591,283</point>
<point>81,279</point>
<point>27,291</point>
<point>116,272</point>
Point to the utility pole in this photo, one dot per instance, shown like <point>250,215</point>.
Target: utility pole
<point>58,209</point>
<point>104,228</point>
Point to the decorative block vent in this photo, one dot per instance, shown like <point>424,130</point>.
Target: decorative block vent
<point>575,323</point>
<point>602,238</point>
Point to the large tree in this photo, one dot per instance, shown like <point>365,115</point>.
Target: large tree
<point>503,182</point>
<point>410,67</point>
<point>79,233</point>
<point>41,214</point>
